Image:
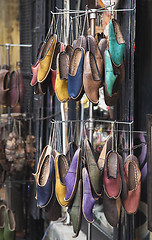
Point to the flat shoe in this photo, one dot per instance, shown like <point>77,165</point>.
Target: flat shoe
<point>88,200</point>
<point>76,210</point>
<point>71,178</point>
<point>61,169</point>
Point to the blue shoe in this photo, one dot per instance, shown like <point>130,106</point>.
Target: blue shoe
<point>75,75</point>
<point>116,43</point>
<point>45,185</point>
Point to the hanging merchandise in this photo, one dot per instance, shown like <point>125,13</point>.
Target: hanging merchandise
<point>17,88</point>
<point>45,182</point>
<point>81,177</point>
<point>4,87</point>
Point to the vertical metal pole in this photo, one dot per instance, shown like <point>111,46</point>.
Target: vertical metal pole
<point>8,109</point>
<point>92,28</point>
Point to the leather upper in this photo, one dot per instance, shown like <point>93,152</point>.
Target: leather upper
<point>4,87</point>
<point>45,186</point>
<point>91,78</point>
<point>46,58</point>
<point>75,75</point>
<point>116,43</point>
<point>61,169</point>
<point>14,89</point>
<point>61,87</point>
<point>112,178</point>
<point>71,179</point>
<point>93,170</point>
<point>133,181</point>
<point>88,200</point>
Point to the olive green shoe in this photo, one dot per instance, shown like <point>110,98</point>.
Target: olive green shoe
<point>9,229</point>
<point>2,221</point>
<point>76,210</point>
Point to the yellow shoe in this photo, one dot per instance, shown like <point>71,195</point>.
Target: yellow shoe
<point>61,87</point>
<point>45,61</point>
<point>61,169</point>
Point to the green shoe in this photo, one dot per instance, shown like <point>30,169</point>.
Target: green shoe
<point>9,230</point>
<point>116,43</point>
<point>2,222</point>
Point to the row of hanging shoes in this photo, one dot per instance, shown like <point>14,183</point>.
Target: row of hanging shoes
<point>78,180</point>
<point>12,88</point>
<point>84,67</point>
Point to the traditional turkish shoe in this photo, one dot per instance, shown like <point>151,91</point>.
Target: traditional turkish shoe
<point>75,75</point>
<point>91,78</point>
<point>102,157</point>
<point>93,48</point>
<point>53,209</point>
<point>116,43</point>
<point>35,67</point>
<point>69,51</point>
<point>14,89</point>
<point>45,185</point>
<point>122,174</point>
<point>5,87</point>
<point>72,147</point>
<point>46,152</point>
<point>10,225</point>
<point>72,177</point>
<point>61,86</point>
<point>133,181</point>
<point>113,80</point>
<point>2,221</point>
<point>112,209</point>
<point>88,200</point>
<point>112,178</point>
<point>59,48</point>
<point>95,175</point>
<point>76,210</point>
<point>61,170</point>
<point>46,58</point>
<point>102,45</point>
<point>81,42</point>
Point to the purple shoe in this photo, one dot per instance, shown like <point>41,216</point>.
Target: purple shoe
<point>71,179</point>
<point>88,200</point>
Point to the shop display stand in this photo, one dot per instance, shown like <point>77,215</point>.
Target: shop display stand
<point>93,14</point>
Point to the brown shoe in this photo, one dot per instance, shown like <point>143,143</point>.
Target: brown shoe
<point>91,78</point>
<point>106,148</point>
<point>93,48</point>
<point>81,42</point>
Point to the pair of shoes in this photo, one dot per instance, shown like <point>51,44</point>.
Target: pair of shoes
<point>61,86</point>
<point>45,185</point>
<point>95,174</point>
<point>7,223</point>
<point>113,63</point>
<point>45,67</point>
<point>82,202</point>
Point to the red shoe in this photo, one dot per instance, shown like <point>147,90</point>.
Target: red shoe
<point>133,181</point>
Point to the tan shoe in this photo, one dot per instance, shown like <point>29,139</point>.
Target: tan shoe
<point>93,48</point>
<point>91,78</point>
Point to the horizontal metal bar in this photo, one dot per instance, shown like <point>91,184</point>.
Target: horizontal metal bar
<point>92,10</point>
<point>15,45</point>
<point>85,121</point>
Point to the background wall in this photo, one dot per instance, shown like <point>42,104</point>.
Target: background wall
<point>9,31</point>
